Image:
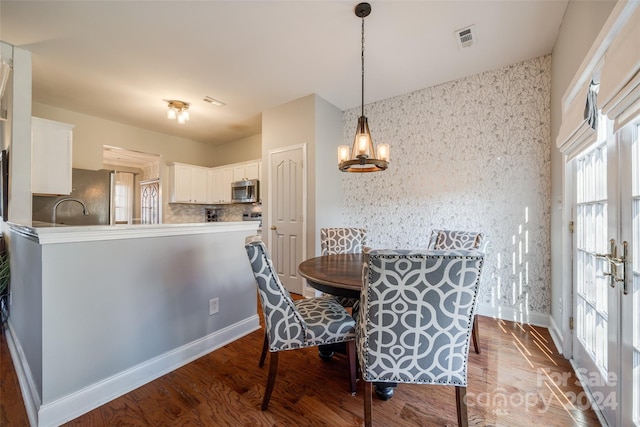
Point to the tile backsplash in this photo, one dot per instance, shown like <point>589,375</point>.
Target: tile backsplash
<point>186,213</point>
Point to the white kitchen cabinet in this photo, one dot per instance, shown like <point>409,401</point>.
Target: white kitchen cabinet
<point>199,186</point>
<point>210,186</point>
<point>51,156</point>
<point>238,173</point>
<point>250,170</point>
<point>188,184</point>
<point>196,184</point>
<point>222,178</point>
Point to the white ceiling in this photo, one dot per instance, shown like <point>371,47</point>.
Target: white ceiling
<point>120,59</point>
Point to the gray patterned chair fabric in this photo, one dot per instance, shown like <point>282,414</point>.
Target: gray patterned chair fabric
<point>458,239</point>
<point>416,315</point>
<point>343,240</point>
<point>293,324</point>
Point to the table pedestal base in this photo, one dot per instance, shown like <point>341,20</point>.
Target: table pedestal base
<point>383,390</point>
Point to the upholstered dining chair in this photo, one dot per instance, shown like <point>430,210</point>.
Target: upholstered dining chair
<point>343,240</point>
<point>296,324</point>
<point>456,239</point>
<point>416,315</point>
<point>459,239</point>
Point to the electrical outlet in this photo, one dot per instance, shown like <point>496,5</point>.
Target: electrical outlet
<point>214,306</point>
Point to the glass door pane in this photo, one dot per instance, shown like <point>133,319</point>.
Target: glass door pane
<point>630,319</point>
<point>595,313</point>
<point>591,283</point>
<point>150,202</point>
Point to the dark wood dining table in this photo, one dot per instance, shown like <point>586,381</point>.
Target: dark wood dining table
<point>340,275</point>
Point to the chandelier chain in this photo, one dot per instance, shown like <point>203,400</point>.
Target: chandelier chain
<point>362,64</point>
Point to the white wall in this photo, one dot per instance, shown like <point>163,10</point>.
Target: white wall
<point>580,26</point>
<point>471,154</point>
<point>19,119</point>
<point>324,173</point>
<point>313,121</point>
<point>25,318</point>
<point>289,124</point>
<point>92,133</point>
<point>242,150</point>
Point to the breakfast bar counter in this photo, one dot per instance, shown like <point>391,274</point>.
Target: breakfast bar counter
<point>47,233</point>
<point>97,311</point>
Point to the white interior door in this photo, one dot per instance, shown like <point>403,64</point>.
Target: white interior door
<point>605,344</point>
<point>286,214</point>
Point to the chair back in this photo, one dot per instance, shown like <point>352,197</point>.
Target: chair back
<point>284,325</point>
<point>342,240</point>
<point>456,239</point>
<point>416,315</point>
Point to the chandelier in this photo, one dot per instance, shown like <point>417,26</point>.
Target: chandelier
<point>178,110</point>
<point>362,157</point>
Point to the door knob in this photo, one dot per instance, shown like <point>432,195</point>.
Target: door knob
<point>273,227</point>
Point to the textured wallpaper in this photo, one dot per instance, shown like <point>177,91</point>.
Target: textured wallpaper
<point>471,154</point>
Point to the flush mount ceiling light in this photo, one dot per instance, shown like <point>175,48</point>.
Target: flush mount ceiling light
<point>363,157</point>
<point>178,110</point>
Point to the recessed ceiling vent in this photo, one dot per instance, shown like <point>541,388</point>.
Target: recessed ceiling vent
<point>466,37</point>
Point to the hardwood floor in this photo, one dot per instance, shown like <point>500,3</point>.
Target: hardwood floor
<point>517,380</point>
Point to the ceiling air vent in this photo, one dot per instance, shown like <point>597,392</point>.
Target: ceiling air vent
<point>466,37</point>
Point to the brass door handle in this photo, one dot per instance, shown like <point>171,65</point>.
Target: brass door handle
<point>615,262</point>
<point>273,227</point>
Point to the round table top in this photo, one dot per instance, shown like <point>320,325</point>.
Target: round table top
<point>339,274</point>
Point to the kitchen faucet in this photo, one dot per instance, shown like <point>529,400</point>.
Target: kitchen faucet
<point>85,211</point>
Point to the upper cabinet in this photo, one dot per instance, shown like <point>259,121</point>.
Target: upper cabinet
<point>200,185</point>
<point>250,170</point>
<point>188,184</point>
<point>51,156</point>
<point>222,177</point>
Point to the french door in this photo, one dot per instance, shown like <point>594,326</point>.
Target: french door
<point>606,340</point>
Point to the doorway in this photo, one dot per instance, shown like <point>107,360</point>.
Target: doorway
<point>287,214</point>
<point>606,285</point>
<point>135,186</point>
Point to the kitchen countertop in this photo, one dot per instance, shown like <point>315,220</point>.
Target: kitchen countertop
<point>47,233</point>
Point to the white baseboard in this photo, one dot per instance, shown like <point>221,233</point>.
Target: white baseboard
<point>556,335</point>
<point>584,380</point>
<point>507,313</point>
<point>73,405</point>
<point>28,387</point>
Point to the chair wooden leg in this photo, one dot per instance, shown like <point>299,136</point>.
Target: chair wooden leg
<point>351,356</point>
<point>368,389</point>
<point>265,347</point>
<point>461,406</point>
<point>273,370</point>
<point>475,334</point>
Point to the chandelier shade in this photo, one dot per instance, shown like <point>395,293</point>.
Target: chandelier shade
<point>362,157</point>
<point>178,110</point>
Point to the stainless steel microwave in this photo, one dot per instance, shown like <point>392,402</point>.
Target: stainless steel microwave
<point>247,191</point>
